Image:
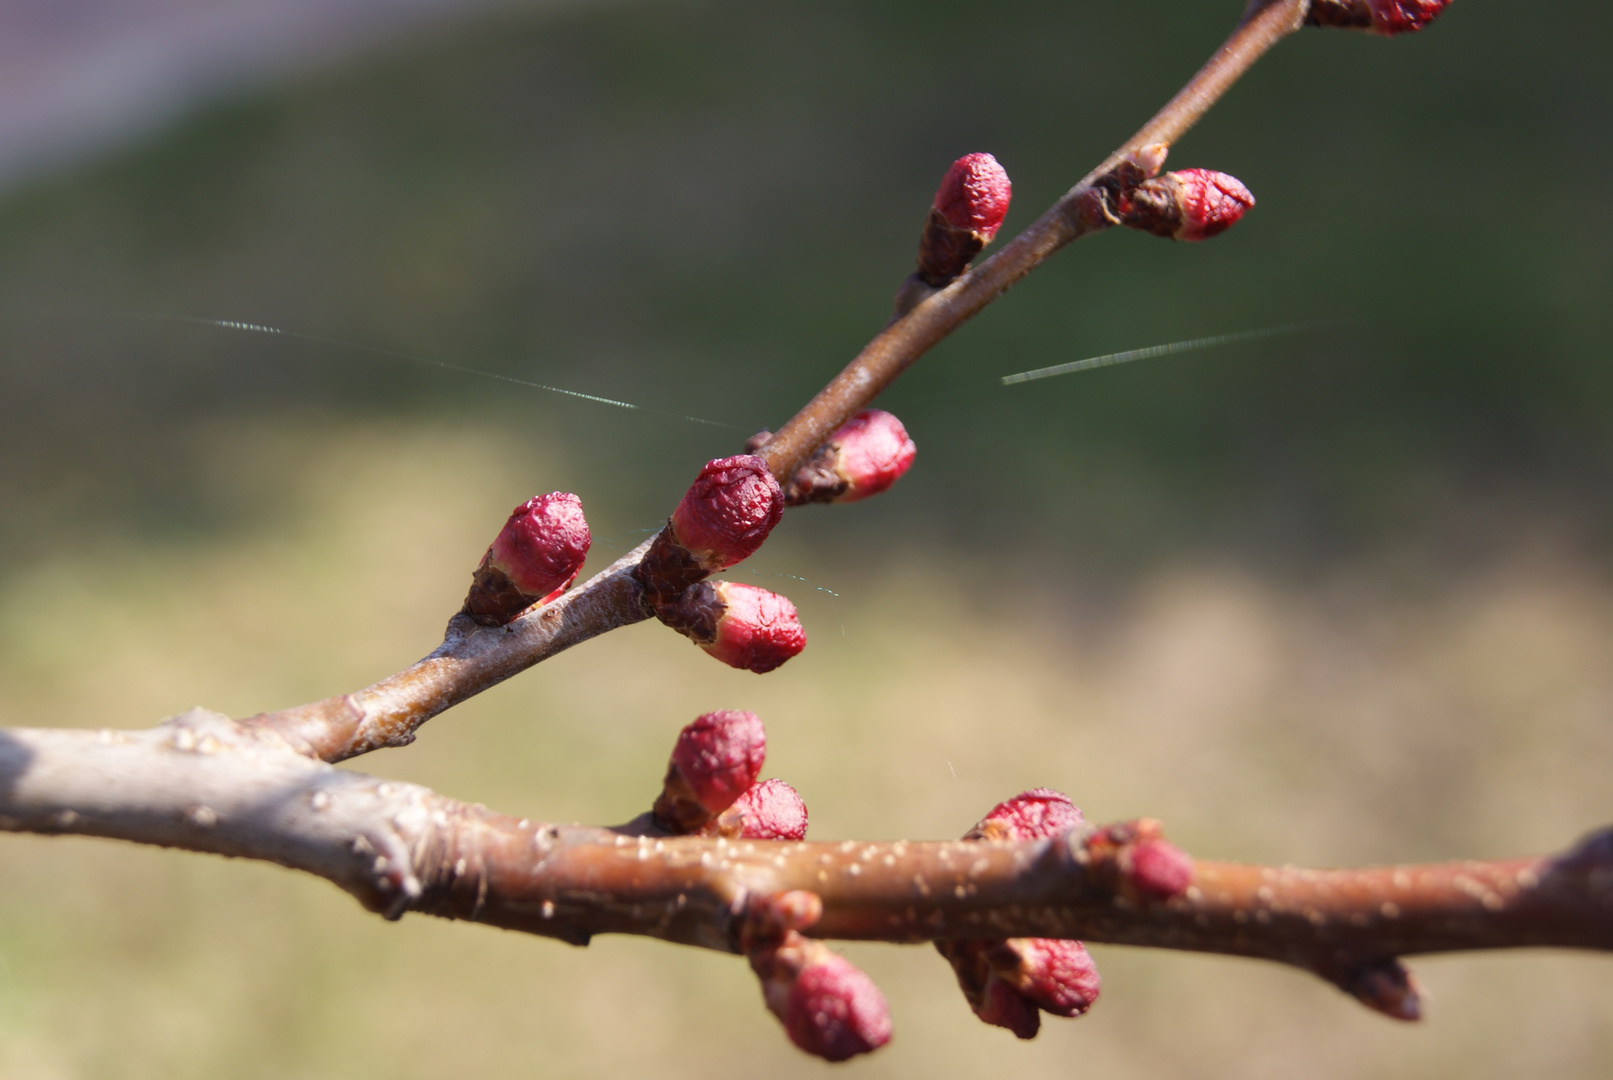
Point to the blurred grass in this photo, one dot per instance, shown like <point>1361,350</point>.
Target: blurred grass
<point>1336,598</point>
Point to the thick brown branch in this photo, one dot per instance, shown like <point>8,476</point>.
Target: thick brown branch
<point>206,783</point>
<point>1078,212</point>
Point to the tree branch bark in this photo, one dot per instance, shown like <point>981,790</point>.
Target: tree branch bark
<point>203,782</point>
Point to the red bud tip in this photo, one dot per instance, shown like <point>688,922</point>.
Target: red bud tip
<point>1160,869</point>
<point>1030,815</point>
<point>771,810</point>
<point>534,558</point>
<point>758,630</point>
<point>720,755</point>
<point>974,196</point>
<point>1055,975</point>
<point>1385,17</point>
<point>732,506</point>
<point>834,1010</point>
<point>1211,202</point>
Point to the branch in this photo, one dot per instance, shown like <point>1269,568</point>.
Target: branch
<point>1082,210</point>
<point>473,658</point>
<point>205,783</point>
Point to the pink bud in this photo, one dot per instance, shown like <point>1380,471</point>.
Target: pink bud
<point>757,630</point>
<point>1192,204</point>
<point>727,513</point>
<point>974,195</point>
<point>1211,202</point>
<point>834,1010</point>
<point>1055,975</point>
<point>968,210</point>
<point>1160,869</point>
<point>1030,815</point>
<point>534,558</point>
<point>866,455</point>
<point>771,810</point>
<point>1386,17</point>
<point>720,755</point>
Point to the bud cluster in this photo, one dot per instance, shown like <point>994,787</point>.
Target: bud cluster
<point>1010,982</point>
<point>723,518</point>
<point>534,558</point>
<point>711,786</point>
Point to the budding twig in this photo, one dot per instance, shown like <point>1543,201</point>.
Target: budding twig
<point>202,782</point>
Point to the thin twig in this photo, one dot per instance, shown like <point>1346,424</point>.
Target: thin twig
<point>1077,213</point>
<point>472,659</point>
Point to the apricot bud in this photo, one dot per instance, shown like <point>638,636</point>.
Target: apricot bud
<point>968,209</point>
<point>728,511</point>
<point>770,810</point>
<point>830,1008</point>
<point>1191,204</point>
<point>716,758</point>
<point>534,559</point>
<point>756,630</point>
<point>865,455</point>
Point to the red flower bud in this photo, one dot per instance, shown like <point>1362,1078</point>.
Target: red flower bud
<point>720,755</point>
<point>716,758</point>
<point>732,506</point>
<point>534,558</point>
<point>1160,869</point>
<point>771,810</point>
<point>1030,815</point>
<point>835,1011</point>
<point>757,630</point>
<point>968,210</point>
<point>1386,17</point>
<point>1055,975</point>
<point>829,1007</point>
<point>866,455</point>
<point>974,195</point>
<point>1192,204</point>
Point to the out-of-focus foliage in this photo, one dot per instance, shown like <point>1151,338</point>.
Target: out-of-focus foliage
<point>1341,596</point>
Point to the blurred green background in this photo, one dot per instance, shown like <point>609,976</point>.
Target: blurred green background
<point>1340,596</point>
